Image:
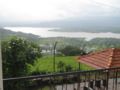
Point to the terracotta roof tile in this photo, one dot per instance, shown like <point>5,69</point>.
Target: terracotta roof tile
<point>103,59</point>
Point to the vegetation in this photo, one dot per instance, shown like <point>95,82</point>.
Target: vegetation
<point>63,63</point>
<point>22,57</point>
<point>8,34</point>
<point>60,66</point>
<point>63,42</point>
<point>17,54</point>
<point>91,45</point>
<point>72,51</point>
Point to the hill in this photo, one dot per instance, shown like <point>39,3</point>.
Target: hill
<point>4,34</point>
<point>94,44</point>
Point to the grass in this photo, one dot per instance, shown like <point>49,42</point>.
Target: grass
<point>45,64</point>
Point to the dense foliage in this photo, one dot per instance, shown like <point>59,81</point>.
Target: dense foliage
<point>72,51</point>
<point>16,54</point>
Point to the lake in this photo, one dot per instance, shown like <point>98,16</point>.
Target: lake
<point>50,32</point>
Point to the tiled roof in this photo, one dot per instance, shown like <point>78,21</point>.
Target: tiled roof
<point>103,59</point>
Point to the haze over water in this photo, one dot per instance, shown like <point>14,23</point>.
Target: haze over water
<point>47,32</point>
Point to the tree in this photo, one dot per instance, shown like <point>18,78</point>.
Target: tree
<point>16,54</point>
<point>72,51</point>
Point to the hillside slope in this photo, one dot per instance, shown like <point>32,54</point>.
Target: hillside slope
<point>4,34</point>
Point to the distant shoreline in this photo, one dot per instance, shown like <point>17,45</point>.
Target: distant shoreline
<point>88,31</point>
<point>70,33</point>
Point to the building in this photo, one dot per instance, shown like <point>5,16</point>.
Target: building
<point>103,59</point>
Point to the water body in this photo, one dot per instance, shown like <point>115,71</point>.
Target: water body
<point>50,32</point>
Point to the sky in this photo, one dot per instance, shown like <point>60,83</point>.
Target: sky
<point>52,10</point>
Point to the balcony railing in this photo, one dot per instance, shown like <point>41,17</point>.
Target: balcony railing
<point>102,79</point>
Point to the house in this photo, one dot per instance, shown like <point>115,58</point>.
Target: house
<point>103,59</point>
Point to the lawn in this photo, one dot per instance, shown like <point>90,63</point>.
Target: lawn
<point>45,64</point>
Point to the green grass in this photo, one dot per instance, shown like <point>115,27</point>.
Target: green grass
<point>45,64</point>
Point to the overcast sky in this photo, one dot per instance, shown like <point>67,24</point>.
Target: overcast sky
<point>51,10</point>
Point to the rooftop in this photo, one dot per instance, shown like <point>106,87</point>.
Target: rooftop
<point>103,59</point>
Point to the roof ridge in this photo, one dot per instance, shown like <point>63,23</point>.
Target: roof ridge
<point>112,53</point>
<point>111,59</point>
<point>98,52</point>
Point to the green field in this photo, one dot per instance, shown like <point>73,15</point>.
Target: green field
<point>45,64</point>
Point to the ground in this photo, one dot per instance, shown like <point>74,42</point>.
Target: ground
<point>45,64</point>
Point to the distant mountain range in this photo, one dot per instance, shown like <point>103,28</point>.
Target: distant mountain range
<point>4,34</point>
<point>91,24</point>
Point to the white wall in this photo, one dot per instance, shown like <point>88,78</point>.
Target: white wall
<point>1,81</point>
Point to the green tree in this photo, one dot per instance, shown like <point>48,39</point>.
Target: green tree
<point>17,53</point>
<point>60,66</point>
<point>72,51</point>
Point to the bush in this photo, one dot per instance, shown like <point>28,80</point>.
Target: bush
<point>60,66</point>
<point>68,68</point>
<point>72,51</point>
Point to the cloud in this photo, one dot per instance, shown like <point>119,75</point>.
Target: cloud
<point>49,10</point>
